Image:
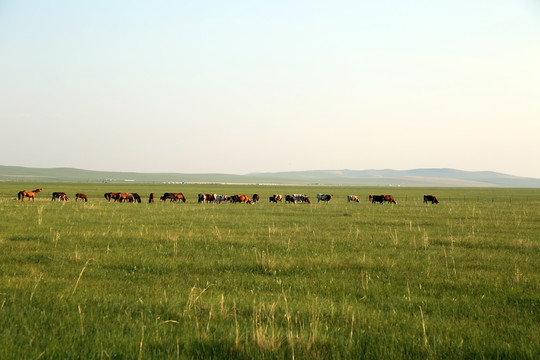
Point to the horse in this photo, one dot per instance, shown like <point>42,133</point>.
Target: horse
<point>173,197</point>
<point>30,194</point>
<point>124,197</point>
<point>111,195</point>
<point>136,197</point>
<point>81,196</point>
<point>151,198</point>
<point>59,195</point>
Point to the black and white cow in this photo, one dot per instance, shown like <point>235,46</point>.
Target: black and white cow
<point>290,199</point>
<point>324,197</point>
<point>222,198</point>
<point>352,198</point>
<point>301,198</point>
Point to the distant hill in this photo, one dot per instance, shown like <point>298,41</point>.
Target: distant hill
<point>388,177</point>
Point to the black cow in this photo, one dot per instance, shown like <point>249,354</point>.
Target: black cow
<point>376,199</point>
<point>428,198</point>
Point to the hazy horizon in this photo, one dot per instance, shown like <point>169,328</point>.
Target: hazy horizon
<point>242,87</point>
<point>281,172</point>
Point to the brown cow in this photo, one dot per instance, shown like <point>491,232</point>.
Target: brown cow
<point>151,198</point>
<point>255,198</point>
<point>207,198</point>
<point>390,199</point>
<point>241,199</point>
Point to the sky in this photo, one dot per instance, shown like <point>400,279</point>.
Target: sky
<point>265,86</point>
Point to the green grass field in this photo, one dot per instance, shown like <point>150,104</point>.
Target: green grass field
<point>106,280</point>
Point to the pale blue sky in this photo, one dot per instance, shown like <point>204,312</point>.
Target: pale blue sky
<point>245,86</point>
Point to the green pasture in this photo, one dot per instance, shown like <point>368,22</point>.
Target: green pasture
<point>102,280</point>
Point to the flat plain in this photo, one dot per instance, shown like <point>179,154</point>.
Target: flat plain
<point>104,280</point>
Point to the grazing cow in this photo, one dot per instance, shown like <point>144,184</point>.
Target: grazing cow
<point>301,198</point>
<point>376,199</point>
<point>173,197</point>
<point>207,198</point>
<point>290,199</point>
<point>222,198</point>
<point>275,198</point>
<point>431,198</point>
<point>81,196</point>
<point>352,198</point>
<point>390,199</point>
<point>60,196</point>
<point>324,197</point>
<point>151,198</point>
<point>241,199</point>
<point>30,194</point>
<point>255,198</point>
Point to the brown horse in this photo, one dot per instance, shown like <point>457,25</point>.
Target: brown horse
<point>124,197</point>
<point>111,195</point>
<point>25,193</point>
<point>81,196</point>
<point>173,197</point>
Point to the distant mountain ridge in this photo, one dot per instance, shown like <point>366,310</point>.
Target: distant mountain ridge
<point>443,177</point>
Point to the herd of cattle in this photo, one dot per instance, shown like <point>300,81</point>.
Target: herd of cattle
<point>217,198</point>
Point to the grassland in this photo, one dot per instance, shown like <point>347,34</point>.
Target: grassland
<point>343,280</point>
